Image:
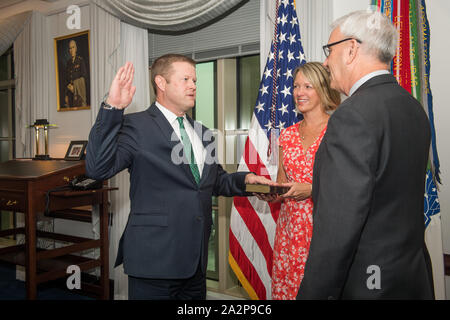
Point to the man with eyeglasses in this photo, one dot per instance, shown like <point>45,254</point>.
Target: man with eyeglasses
<point>369,175</point>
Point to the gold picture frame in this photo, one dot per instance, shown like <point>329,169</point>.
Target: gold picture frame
<point>72,67</point>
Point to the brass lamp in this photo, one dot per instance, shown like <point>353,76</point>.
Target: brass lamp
<point>45,125</point>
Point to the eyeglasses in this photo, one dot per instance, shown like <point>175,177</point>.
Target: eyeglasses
<point>326,48</point>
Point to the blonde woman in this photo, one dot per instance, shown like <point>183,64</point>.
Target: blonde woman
<point>298,145</point>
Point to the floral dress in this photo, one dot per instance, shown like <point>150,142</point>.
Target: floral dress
<point>294,225</point>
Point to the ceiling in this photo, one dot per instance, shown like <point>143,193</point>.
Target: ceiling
<point>7,3</point>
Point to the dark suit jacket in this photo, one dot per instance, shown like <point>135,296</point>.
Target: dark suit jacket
<point>368,193</point>
<point>170,221</point>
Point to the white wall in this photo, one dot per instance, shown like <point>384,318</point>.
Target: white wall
<point>438,12</point>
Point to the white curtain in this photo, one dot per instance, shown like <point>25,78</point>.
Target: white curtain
<point>23,83</point>
<point>133,48</point>
<point>315,17</point>
<point>105,55</point>
<point>175,15</point>
<point>32,94</point>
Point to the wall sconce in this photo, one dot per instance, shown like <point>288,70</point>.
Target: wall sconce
<point>45,125</point>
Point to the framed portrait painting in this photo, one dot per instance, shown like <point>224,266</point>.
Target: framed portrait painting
<point>72,71</point>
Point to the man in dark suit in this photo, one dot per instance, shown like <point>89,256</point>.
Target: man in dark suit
<point>369,175</point>
<point>173,175</point>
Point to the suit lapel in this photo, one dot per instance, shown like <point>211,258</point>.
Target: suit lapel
<point>163,125</point>
<point>170,137</point>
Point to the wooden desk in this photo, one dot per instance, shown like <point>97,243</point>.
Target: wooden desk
<point>23,187</point>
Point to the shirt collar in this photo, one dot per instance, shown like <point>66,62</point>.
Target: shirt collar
<point>366,78</point>
<point>170,116</point>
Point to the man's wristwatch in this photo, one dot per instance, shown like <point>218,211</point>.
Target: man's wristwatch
<point>108,106</point>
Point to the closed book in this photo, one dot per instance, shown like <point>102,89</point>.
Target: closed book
<point>264,188</point>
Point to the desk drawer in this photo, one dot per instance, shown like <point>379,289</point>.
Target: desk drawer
<point>12,201</point>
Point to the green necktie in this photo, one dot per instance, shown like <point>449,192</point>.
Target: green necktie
<point>188,151</point>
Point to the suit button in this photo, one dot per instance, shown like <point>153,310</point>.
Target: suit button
<point>199,218</point>
<point>330,298</point>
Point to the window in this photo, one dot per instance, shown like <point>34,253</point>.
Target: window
<point>205,112</point>
<point>7,132</point>
<point>227,90</point>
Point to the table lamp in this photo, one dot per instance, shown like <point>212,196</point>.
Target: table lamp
<point>45,125</point>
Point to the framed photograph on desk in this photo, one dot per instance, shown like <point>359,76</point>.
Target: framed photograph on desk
<point>76,150</point>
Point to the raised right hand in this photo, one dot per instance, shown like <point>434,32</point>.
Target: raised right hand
<point>122,91</point>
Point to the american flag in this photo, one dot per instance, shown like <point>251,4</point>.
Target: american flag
<point>253,222</point>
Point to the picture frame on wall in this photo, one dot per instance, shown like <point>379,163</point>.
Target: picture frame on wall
<point>76,150</point>
<point>72,71</point>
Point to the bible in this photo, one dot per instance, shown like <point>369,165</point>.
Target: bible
<point>264,188</point>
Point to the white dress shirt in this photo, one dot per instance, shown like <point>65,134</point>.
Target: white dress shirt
<point>197,145</point>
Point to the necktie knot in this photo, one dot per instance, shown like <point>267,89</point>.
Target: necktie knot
<point>180,122</point>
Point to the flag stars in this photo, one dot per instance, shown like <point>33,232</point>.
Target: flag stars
<point>285,2</point>
<point>281,125</point>
<point>294,21</point>
<point>268,73</point>
<point>283,20</point>
<point>263,90</point>
<point>286,91</point>
<point>292,38</point>
<point>282,37</point>
<point>301,57</point>
<point>290,56</point>
<point>260,106</point>
<point>283,108</point>
<point>288,73</point>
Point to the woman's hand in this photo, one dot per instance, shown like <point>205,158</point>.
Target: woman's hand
<point>298,191</point>
<point>268,197</point>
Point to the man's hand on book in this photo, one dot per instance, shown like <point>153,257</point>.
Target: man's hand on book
<point>252,178</point>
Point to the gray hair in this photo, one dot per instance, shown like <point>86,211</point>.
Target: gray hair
<point>378,35</point>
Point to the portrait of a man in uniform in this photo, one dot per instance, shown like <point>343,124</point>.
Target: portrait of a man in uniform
<point>73,78</point>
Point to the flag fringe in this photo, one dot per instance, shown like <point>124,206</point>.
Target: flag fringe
<point>242,279</point>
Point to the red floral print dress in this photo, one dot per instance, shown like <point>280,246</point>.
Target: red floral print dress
<point>294,225</point>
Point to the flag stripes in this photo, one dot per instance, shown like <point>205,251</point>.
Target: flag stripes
<point>253,222</point>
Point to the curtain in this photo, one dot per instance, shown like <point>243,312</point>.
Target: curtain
<point>23,83</point>
<point>105,55</point>
<point>105,42</point>
<point>10,28</point>
<point>133,48</point>
<point>32,94</point>
<point>315,17</point>
<point>175,15</point>
<point>113,43</point>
